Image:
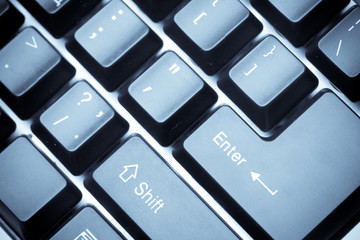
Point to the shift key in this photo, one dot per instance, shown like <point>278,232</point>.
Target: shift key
<point>147,190</point>
<point>297,179</point>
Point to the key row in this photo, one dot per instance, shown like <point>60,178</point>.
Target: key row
<point>223,154</point>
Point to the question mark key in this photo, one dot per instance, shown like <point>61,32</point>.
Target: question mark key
<point>76,113</point>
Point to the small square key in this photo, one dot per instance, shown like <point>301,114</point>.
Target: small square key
<point>299,20</point>
<point>30,72</point>
<point>74,124</point>
<point>113,43</point>
<point>337,55</point>
<point>268,82</point>
<point>211,32</point>
<point>166,94</point>
<point>30,186</point>
<point>86,225</point>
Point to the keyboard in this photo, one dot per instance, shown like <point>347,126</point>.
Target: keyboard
<point>181,119</point>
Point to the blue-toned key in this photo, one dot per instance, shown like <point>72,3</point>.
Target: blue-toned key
<point>114,42</point>
<point>80,126</point>
<point>154,197</point>
<point>212,31</point>
<point>59,16</point>
<point>292,183</point>
<point>167,96</point>
<point>86,225</point>
<point>268,82</point>
<point>299,20</point>
<point>30,187</point>
<point>30,72</point>
<point>337,55</point>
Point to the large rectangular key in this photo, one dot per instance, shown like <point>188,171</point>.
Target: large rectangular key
<point>297,179</point>
<point>154,197</point>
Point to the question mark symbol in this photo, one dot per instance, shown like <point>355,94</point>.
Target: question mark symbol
<point>88,99</point>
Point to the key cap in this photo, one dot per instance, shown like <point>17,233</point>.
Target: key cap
<point>336,55</point>
<point>7,126</point>
<point>114,43</point>
<point>86,225</point>
<point>268,82</point>
<point>30,72</point>
<point>59,16</point>
<point>167,98</point>
<point>30,189</point>
<point>211,32</point>
<point>154,197</point>
<point>79,127</point>
<point>296,180</point>
<point>299,20</point>
<point>157,9</point>
<point>10,21</point>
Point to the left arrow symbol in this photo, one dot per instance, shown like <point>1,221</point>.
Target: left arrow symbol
<point>130,171</point>
<point>33,44</point>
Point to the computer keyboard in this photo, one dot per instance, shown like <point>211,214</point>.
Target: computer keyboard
<point>193,119</point>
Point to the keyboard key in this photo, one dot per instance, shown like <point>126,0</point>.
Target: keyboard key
<point>296,180</point>
<point>336,55</point>
<point>268,82</point>
<point>86,225</point>
<point>211,32</point>
<point>114,43</point>
<point>30,66</point>
<point>157,9</point>
<point>164,97</point>
<point>30,188</point>
<point>299,20</point>
<point>10,21</point>
<point>59,16</point>
<point>7,126</point>
<point>74,124</point>
<point>154,197</point>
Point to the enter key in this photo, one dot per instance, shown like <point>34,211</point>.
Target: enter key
<point>291,184</point>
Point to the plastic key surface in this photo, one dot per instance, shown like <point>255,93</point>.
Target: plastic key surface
<point>268,82</point>
<point>297,179</point>
<point>86,225</point>
<point>75,121</point>
<point>29,186</point>
<point>154,197</point>
<point>213,31</point>
<point>168,97</point>
<point>29,65</point>
<point>340,48</point>
<point>117,40</point>
<point>53,6</point>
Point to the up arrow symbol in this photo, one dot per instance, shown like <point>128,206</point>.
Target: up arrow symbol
<point>130,171</point>
<point>256,177</point>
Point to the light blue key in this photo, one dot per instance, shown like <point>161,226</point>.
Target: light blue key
<point>76,116</point>
<point>112,32</point>
<point>165,87</point>
<point>208,22</point>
